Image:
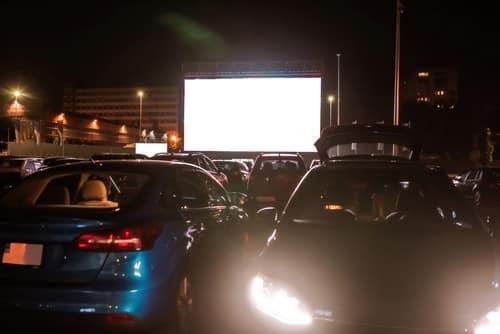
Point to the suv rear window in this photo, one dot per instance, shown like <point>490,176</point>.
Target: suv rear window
<point>369,149</point>
<point>280,165</point>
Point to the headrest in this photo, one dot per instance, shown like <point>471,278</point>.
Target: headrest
<point>94,190</point>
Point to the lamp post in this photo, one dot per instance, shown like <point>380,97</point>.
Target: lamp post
<point>16,95</point>
<point>60,129</point>
<point>331,98</point>
<point>140,94</point>
<point>17,127</point>
<point>62,136</point>
<point>399,10</point>
<point>338,88</point>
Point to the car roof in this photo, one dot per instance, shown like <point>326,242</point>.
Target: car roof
<point>279,155</point>
<point>119,155</point>
<point>148,166</point>
<point>228,161</point>
<point>177,154</point>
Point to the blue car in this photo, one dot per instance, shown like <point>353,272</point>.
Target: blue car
<point>113,242</point>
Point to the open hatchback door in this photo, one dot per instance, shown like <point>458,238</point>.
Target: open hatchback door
<point>384,142</point>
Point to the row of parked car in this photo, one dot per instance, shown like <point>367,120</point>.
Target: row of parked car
<point>270,183</point>
<point>15,168</point>
<point>365,243</point>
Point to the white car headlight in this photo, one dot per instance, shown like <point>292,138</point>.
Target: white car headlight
<point>490,324</point>
<point>274,301</point>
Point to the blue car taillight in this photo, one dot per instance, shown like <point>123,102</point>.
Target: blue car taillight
<point>130,239</point>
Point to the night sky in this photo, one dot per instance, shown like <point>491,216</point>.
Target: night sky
<point>122,43</point>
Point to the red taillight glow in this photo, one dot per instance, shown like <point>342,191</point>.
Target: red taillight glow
<point>95,241</point>
<point>124,240</point>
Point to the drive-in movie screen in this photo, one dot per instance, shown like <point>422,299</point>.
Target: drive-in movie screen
<point>226,114</point>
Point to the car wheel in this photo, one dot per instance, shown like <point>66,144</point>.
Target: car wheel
<point>476,198</point>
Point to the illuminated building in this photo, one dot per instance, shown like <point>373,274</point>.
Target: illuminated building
<point>81,129</point>
<point>160,106</point>
<point>436,88</point>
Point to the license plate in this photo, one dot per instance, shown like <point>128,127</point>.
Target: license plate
<point>23,254</point>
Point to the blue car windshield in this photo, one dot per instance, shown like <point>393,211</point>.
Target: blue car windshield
<point>82,189</point>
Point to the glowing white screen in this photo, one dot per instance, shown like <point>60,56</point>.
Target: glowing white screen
<point>252,114</point>
<point>150,149</point>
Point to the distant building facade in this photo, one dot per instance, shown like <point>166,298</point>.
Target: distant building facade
<point>76,128</point>
<point>434,88</point>
<point>160,106</point>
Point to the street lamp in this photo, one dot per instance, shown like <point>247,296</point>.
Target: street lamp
<point>338,88</point>
<point>17,127</point>
<point>60,129</point>
<point>16,94</point>
<point>173,143</point>
<point>399,10</point>
<point>140,94</point>
<point>331,98</point>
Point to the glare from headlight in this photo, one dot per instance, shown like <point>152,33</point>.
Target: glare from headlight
<point>275,302</point>
<point>490,324</point>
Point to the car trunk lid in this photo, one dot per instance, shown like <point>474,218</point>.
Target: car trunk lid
<point>399,142</point>
<point>39,246</point>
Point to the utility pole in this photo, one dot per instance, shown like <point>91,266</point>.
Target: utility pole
<point>399,8</point>
<point>338,89</point>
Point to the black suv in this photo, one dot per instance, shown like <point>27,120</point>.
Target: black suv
<point>373,241</point>
<point>273,178</point>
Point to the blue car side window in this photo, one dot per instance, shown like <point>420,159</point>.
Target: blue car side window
<point>191,191</point>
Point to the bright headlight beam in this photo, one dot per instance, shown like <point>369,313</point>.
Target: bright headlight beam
<point>278,304</point>
<point>490,324</point>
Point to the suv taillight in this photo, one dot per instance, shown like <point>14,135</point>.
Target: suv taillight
<point>130,239</point>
